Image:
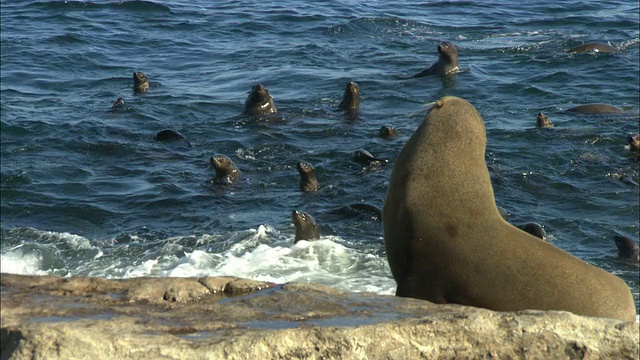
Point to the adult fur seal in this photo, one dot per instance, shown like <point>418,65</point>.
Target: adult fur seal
<point>447,62</point>
<point>140,82</point>
<point>306,226</point>
<point>118,103</point>
<point>259,101</point>
<point>447,243</point>
<point>543,121</point>
<point>593,47</point>
<point>226,171</point>
<point>634,142</point>
<point>308,181</point>
<point>351,99</point>
<point>596,109</point>
<point>627,248</point>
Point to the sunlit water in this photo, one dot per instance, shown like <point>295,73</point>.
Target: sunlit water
<point>87,191</point>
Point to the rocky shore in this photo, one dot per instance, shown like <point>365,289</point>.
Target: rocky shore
<point>45,317</point>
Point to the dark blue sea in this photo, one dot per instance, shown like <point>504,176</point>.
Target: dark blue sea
<point>87,191</point>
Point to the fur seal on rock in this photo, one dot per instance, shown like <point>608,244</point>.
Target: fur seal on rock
<point>387,131</point>
<point>447,243</point>
<point>306,226</point>
<point>447,62</point>
<point>627,248</point>
<point>308,181</point>
<point>543,121</point>
<point>596,109</point>
<point>593,47</point>
<point>226,171</point>
<point>140,82</point>
<point>259,101</point>
<point>351,99</point>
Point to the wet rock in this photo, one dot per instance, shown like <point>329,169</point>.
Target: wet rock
<point>189,318</point>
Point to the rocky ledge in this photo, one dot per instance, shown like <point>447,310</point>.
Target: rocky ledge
<point>45,317</point>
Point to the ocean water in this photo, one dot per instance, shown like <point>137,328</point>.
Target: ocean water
<point>86,191</point>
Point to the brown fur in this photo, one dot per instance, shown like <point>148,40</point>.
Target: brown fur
<point>447,243</point>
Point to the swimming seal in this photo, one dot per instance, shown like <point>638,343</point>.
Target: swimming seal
<point>351,99</point>
<point>366,158</point>
<point>543,121</point>
<point>308,181</point>
<point>627,248</point>
<point>226,171</point>
<point>596,109</point>
<point>447,243</point>
<point>140,82</point>
<point>593,47</point>
<point>171,135</point>
<point>306,226</point>
<point>534,229</point>
<point>118,103</point>
<point>387,131</point>
<point>259,101</point>
<point>447,62</point>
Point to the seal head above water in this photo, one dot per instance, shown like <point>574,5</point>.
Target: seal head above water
<point>140,82</point>
<point>447,243</point>
<point>259,101</point>
<point>387,131</point>
<point>627,248</point>
<point>542,121</point>
<point>447,62</point>
<point>226,171</point>
<point>308,181</point>
<point>351,99</point>
<point>306,226</point>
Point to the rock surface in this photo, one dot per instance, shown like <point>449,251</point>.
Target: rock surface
<point>45,317</point>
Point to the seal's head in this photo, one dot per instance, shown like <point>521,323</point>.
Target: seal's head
<point>306,226</point>
<point>543,121</point>
<point>627,248</point>
<point>387,131</point>
<point>351,97</point>
<point>259,101</point>
<point>140,82</point>
<point>308,181</point>
<point>448,52</point>
<point>226,170</point>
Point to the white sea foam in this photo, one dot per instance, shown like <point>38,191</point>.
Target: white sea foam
<point>15,261</point>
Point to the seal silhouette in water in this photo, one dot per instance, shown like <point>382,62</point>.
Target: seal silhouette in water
<point>171,135</point>
<point>593,47</point>
<point>306,226</point>
<point>534,229</point>
<point>627,248</point>
<point>226,171</point>
<point>366,158</point>
<point>596,109</point>
<point>447,243</point>
<point>259,101</point>
<point>351,99</point>
<point>387,131</point>
<point>634,142</point>
<point>447,62</point>
<point>118,103</point>
<point>308,181</point>
<point>543,121</point>
<point>140,82</point>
